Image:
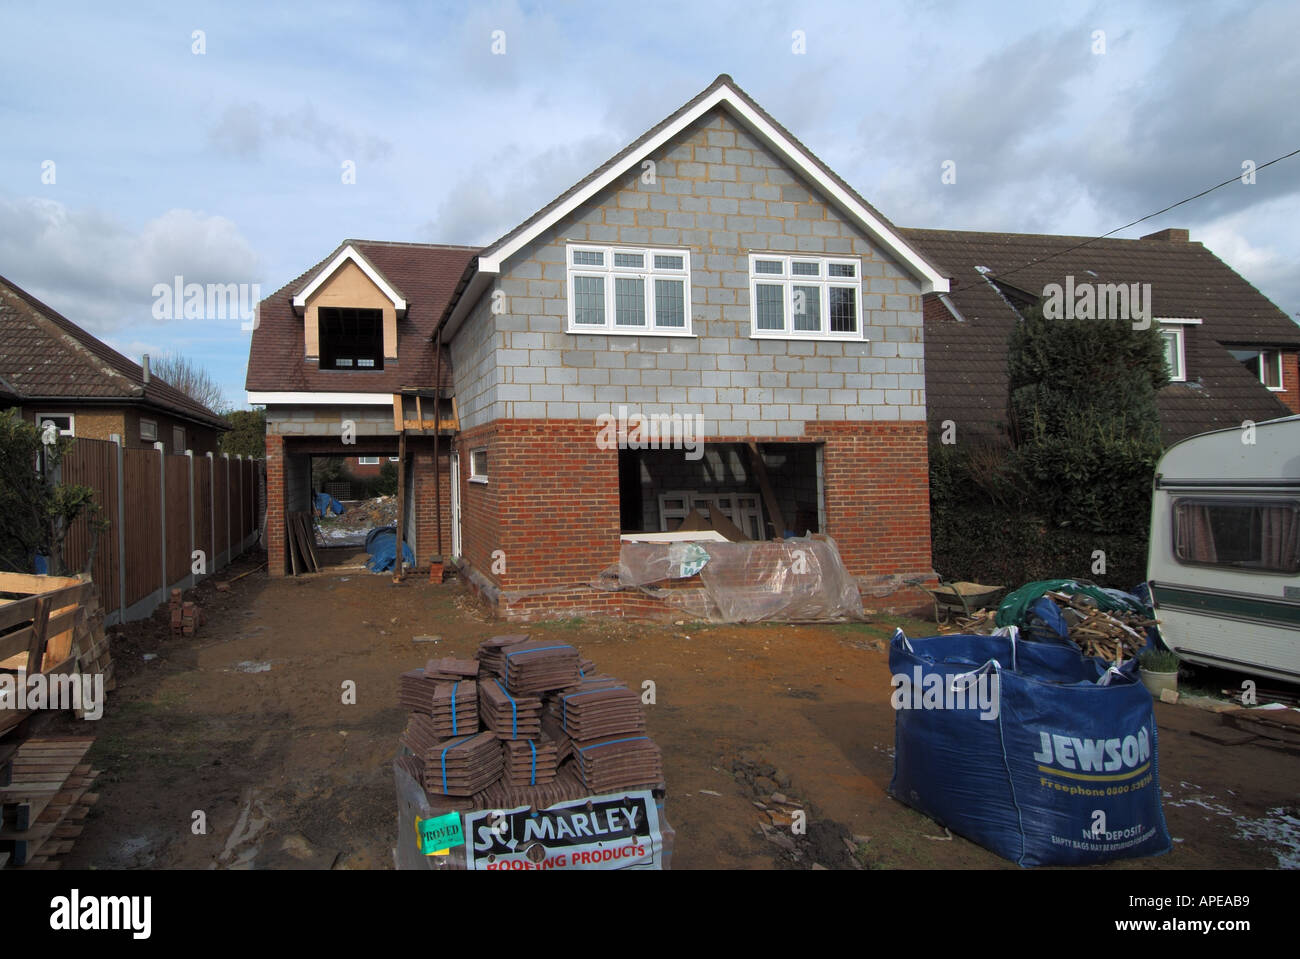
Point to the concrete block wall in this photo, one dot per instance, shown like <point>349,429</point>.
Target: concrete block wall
<point>722,195</point>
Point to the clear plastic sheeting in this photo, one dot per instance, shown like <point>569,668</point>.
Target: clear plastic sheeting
<point>801,579</point>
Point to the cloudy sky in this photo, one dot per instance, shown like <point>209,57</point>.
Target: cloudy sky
<point>220,155</point>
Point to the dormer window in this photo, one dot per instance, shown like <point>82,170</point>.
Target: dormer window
<point>351,339</point>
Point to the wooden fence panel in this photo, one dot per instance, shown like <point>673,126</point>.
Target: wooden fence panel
<point>93,463</point>
<point>178,517</point>
<point>221,488</point>
<point>203,508</point>
<point>143,523</point>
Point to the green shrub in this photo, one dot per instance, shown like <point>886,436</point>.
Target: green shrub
<point>1159,661</point>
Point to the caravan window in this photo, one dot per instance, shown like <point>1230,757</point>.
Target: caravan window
<point>1259,535</point>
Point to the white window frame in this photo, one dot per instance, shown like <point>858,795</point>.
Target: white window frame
<point>394,459</point>
<point>367,460</point>
<point>71,418</point>
<point>149,430</point>
<point>1281,382</point>
<point>1178,375</point>
<point>609,273</point>
<point>475,476</point>
<point>788,280</point>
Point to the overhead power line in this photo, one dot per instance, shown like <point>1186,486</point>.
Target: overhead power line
<point>1197,196</point>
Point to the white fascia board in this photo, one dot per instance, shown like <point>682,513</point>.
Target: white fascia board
<point>1181,320</point>
<point>319,399</point>
<point>350,253</point>
<point>931,282</point>
<point>479,282</point>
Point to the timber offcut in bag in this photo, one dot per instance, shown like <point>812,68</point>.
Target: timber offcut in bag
<point>1029,749</point>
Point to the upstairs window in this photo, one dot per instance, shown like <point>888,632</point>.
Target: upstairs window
<point>1174,353</point>
<point>629,290</point>
<point>805,297</point>
<point>351,339</point>
<point>1265,364</point>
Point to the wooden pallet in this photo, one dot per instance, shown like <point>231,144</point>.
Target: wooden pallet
<point>53,833</point>
<point>41,770</point>
<point>41,811</point>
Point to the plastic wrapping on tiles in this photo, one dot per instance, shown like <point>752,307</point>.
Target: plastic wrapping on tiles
<point>801,579</point>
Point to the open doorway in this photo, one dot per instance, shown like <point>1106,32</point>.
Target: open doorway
<point>762,490</point>
<point>351,496</point>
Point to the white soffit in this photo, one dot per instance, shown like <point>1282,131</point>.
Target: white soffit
<point>350,252</point>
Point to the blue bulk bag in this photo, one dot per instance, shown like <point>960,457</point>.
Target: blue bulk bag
<point>1044,622</point>
<point>1032,750</point>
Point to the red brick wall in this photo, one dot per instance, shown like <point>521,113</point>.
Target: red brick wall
<point>426,506</point>
<point>1290,381</point>
<point>552,505</point>
<point>276,557</point>
<point>877,489</point>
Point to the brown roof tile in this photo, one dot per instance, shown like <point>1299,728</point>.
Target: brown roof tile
<point>425,273</point>
<point>966,363</point>
<point>47,356</point>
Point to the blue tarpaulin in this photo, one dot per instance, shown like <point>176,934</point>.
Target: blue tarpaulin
<point>1030,749</point>
<point>324,502</point>
<point>382,547</point>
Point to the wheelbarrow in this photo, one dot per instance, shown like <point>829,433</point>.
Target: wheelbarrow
<point>952,598</point>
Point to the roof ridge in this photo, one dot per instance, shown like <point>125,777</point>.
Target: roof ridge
<point>413,243</point>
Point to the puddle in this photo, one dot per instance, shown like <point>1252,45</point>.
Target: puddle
<point>1280,828</point>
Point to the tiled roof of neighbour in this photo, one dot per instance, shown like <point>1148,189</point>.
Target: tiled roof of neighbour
<point>425,273</point>
<point>966,363</point>
<point>48,357</point>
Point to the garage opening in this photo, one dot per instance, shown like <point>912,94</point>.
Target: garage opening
<point>748,491</point>
<point>351,496</point>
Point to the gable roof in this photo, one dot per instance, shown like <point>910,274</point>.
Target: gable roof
<point>966,362</point>
<point>48,357</point>
<point>348,252</point>
<point>422,274</point>
<point>722,92</point>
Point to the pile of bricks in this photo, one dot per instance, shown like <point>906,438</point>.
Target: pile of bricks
<point>546,728</point>
<point>186,616</point>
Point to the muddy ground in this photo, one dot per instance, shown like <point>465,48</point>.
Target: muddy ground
<point>233,748</point>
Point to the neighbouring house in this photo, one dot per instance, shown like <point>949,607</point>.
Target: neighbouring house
<point>54,371</point>
<point>714,274</point>
<point>1231,352</point>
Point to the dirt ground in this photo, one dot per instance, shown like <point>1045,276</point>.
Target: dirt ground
<point>233,748</point>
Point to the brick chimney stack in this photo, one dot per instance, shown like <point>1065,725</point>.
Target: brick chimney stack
<point>1170,236</point>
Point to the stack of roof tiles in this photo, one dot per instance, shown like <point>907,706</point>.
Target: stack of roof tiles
<point>540,666</point>
<point>510,717</point>
<point>553,729</point>
<point>451,706</point>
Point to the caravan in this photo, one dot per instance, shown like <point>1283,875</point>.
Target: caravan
<point>1224,556</point>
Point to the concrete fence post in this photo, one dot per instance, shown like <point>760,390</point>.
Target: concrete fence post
<point>212,504</point>
<point>229,545</point>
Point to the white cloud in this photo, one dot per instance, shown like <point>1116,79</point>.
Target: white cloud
<point>100,273</point>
